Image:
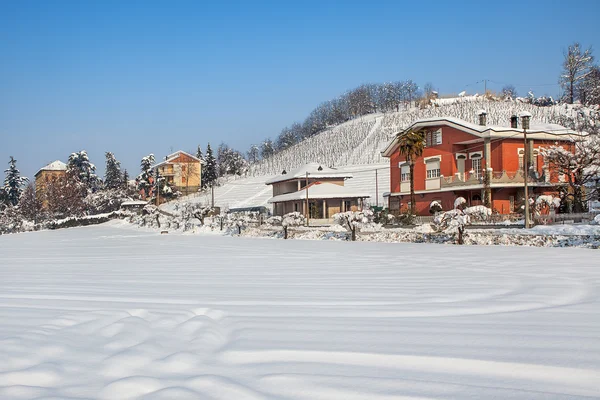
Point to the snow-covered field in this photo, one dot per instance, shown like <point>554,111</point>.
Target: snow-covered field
<point>112,312</point>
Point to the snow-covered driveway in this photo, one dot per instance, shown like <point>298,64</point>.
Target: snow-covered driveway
<point>118,313</point>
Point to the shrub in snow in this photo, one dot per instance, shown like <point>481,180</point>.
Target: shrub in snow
<point>460,202</point>
<point>274,221</point>
<point>597,219</point>
<point>352,220</point>
<point>453,221</point>
<point>478,213</point>
<point>241,220</point>
<point>290,220</point>
<point>105,201</point>
<point>435,207</point>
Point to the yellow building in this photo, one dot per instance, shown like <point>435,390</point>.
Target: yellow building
<point>53,171</point>
<point>182,171</point>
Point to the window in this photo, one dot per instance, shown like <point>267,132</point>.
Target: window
<point>476,167</point>
<point>433,138</point>
<point>405,173</point>
<point>534,160</point>
<point>433,168</point>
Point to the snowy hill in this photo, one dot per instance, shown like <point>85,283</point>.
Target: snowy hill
<point>354,146</point>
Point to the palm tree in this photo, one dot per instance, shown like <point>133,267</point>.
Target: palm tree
<point>411,147</point>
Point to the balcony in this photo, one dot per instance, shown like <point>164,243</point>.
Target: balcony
<point>498,179</point>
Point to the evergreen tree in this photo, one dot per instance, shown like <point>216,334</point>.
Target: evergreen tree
<point>112,178</point>
<point>83,170</point>
<point>209,172</point>
<point>145,178</point>
<point>125,180</point>
<point>199,154</point>
<point>13,183</point>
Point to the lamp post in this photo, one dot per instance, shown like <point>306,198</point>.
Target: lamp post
<point>525,117</point>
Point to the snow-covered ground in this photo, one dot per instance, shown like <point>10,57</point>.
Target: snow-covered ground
<point>114,312</point>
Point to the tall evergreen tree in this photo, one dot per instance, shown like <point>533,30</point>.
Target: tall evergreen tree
<point>13,183</point>
<point>145,177</point>
<point>125,180</point>
<point>113,178</point>
<point>83,170</point>
<point>209,172</point>
<point>199,154</point>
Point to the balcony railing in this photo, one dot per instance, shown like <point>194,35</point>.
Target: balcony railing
<point>498,178</point>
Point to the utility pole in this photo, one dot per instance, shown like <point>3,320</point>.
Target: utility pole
<point>525,116</point>
<point>376,190</point>
<point>307,206</point>
<point>212,195</point>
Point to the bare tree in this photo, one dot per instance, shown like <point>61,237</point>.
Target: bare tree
<point>580,168</point>
<point>509,92</point>
<point>576,66</point>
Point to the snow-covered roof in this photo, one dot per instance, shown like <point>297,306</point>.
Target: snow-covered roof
<point>169,159</point>
<point>315,171</point>
<point>134,203</point>
<point>536,131</point>
<point>321,190</point>
<point>54,166</point>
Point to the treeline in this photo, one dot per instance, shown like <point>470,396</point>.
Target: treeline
<point>363,100</point>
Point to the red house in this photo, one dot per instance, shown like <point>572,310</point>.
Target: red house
<point>457,156</point>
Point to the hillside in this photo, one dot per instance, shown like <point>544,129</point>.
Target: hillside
<point>355,146</point>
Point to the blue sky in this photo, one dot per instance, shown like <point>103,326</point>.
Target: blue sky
<point>135,77</point>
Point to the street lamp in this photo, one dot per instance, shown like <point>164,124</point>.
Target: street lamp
<point>525,117</point>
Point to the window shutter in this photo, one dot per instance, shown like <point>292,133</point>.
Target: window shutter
<point>438,136</point>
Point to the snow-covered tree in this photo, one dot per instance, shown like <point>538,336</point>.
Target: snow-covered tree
<point>289,220</point>
<point>83,170</point>
<point>112,177</point>
<point>580,169</point>
<point>352,220</point>
<point>576,66</point>
<point>267,149</point>
<point>253,153</point>
<point>209,172</point>
<point>199,153</point>
<point>144,179</point>
<point>508,92</point>
<point>30,205</point>
<point>589,89</point>
<point>64,196</point>
<point>13,183</point>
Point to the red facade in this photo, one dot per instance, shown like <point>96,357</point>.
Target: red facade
<point>457,165</point>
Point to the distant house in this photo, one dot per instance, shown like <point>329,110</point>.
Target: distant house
<point>51,172</point>
<point>457,155</point>
<point>322,186</point>
<point>182,171</point>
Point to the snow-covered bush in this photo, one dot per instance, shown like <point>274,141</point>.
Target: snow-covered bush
<point>478,213</point>
<point>290,220</point>
<point>597,219</point>
<point>352,220</point>
<point>435,207</point>
<point>275,220</point>
<point>460,202</point>
<point>105,201</point>
<point>241,220</point>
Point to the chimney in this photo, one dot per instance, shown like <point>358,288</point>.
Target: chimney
<point>482,117</point>
<point>514,121</point>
